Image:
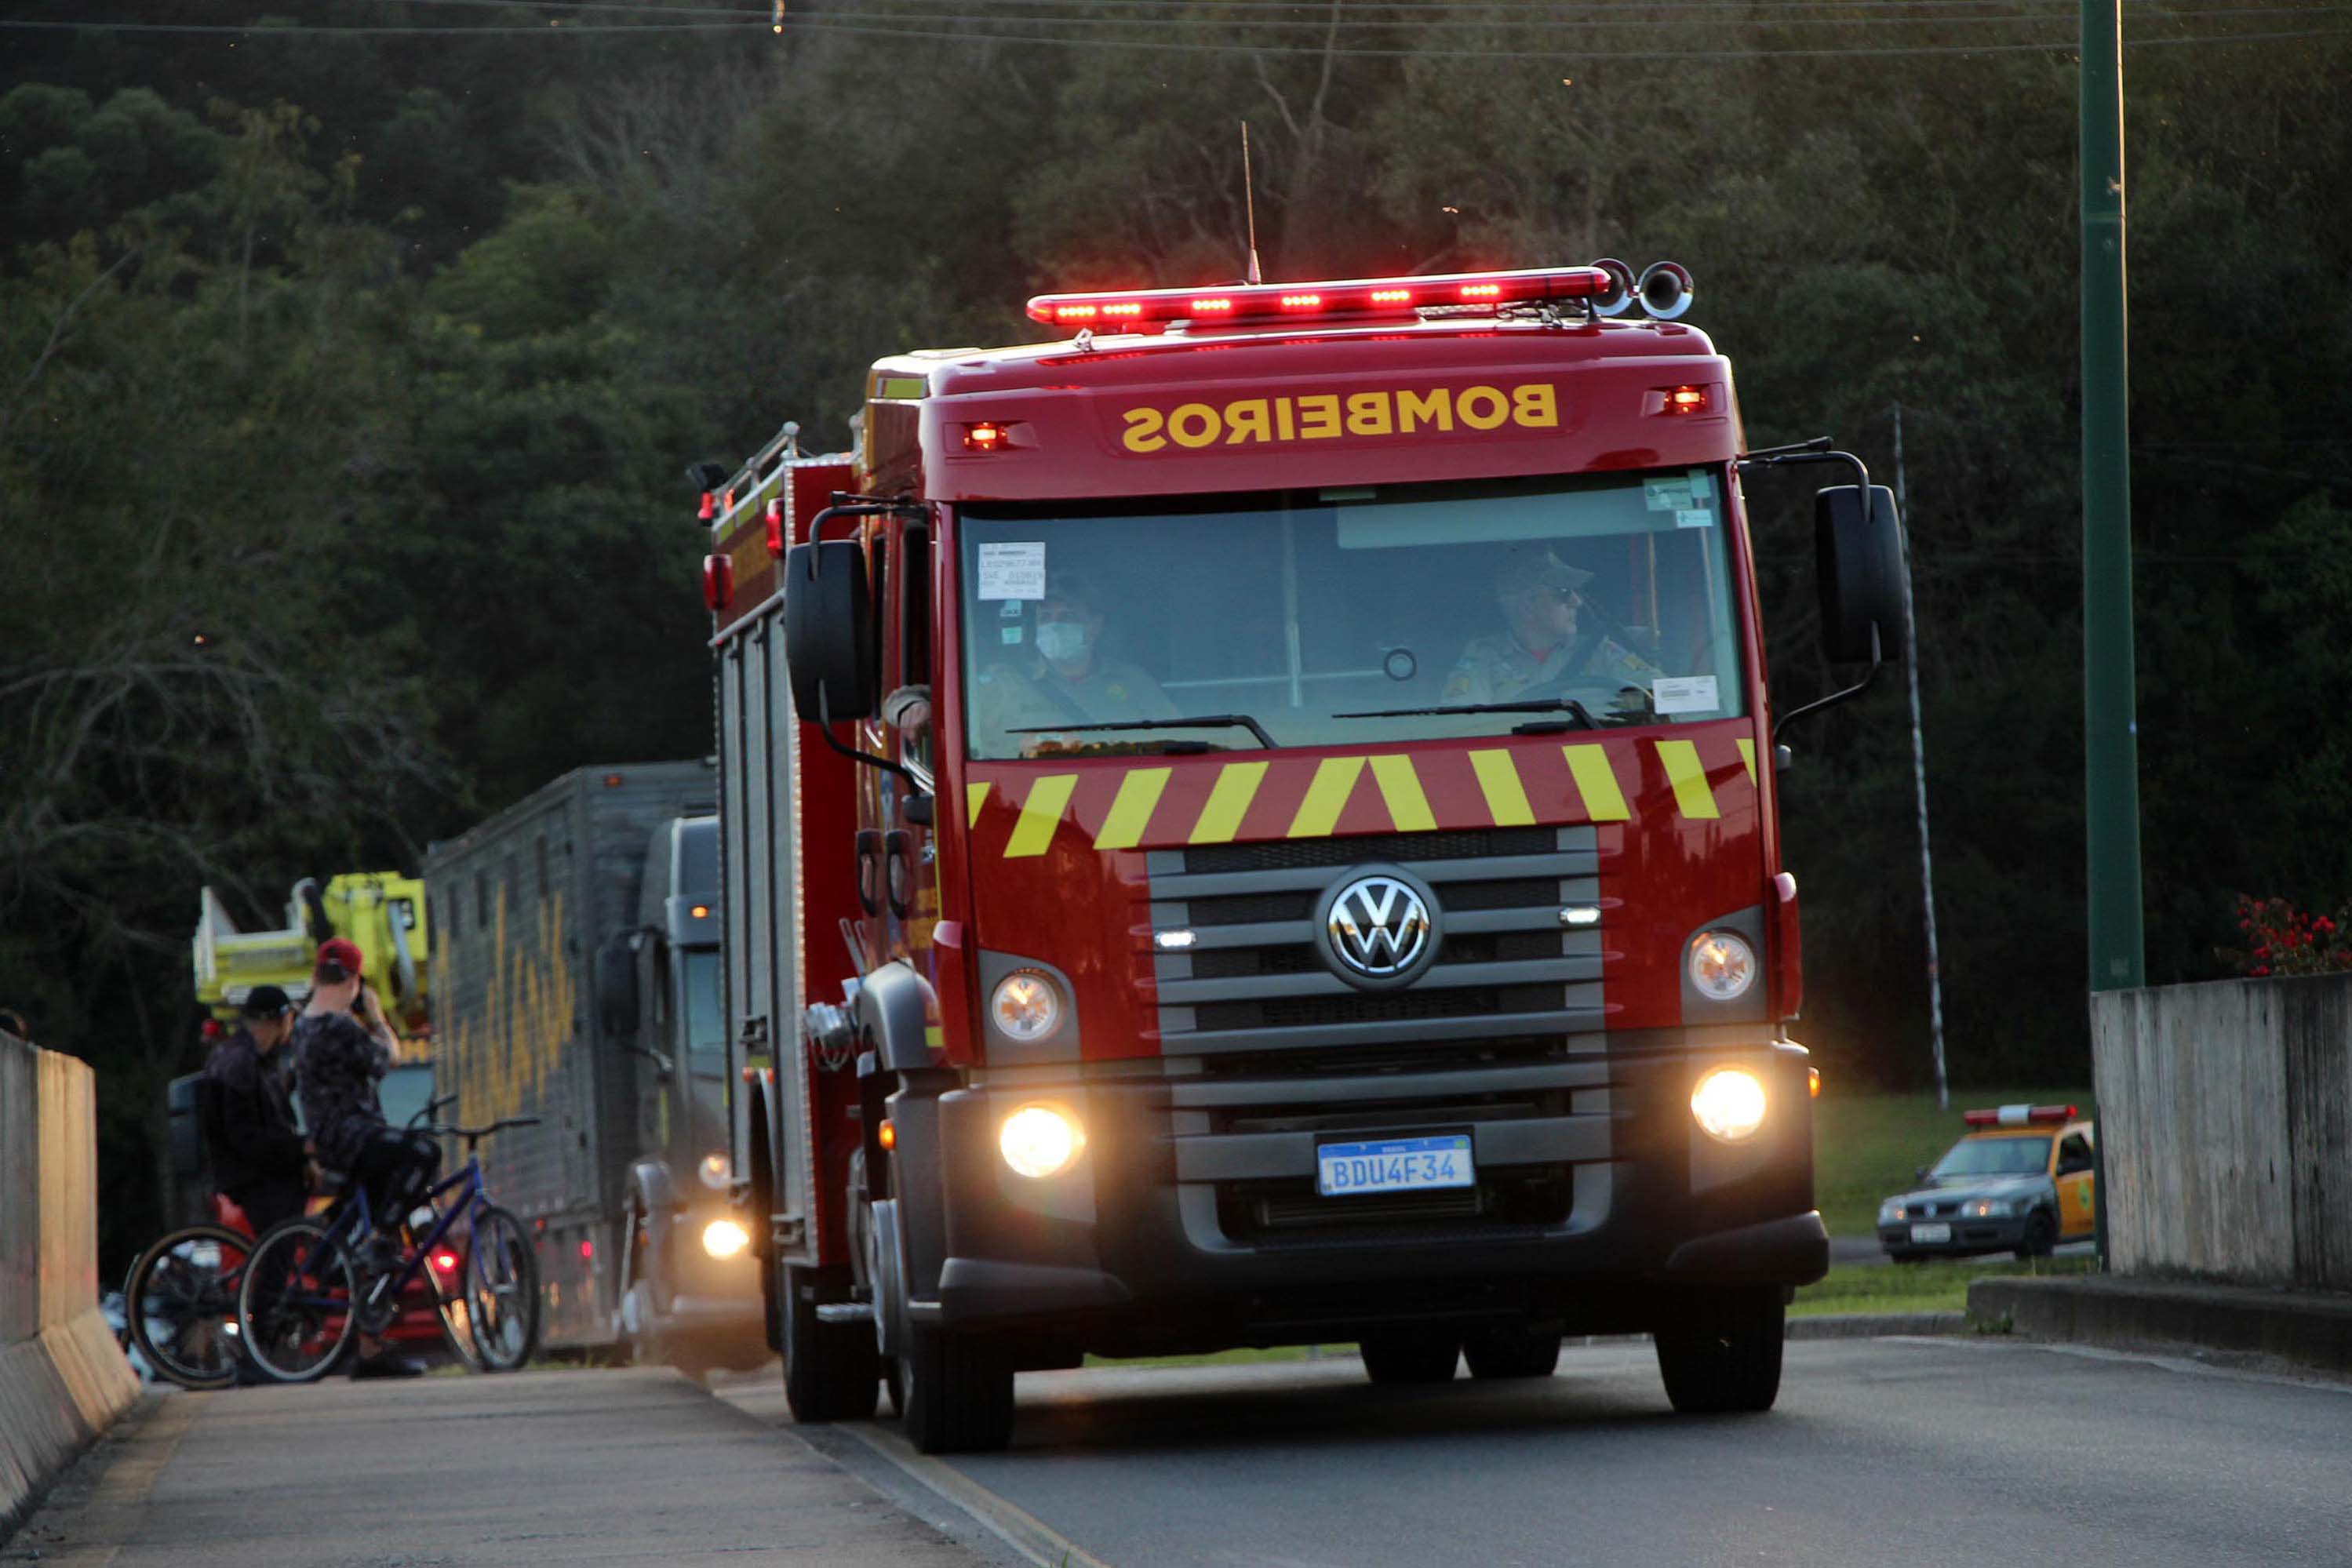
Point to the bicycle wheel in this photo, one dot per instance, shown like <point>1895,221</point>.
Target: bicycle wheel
<point>501,1291</point>
<point>295,1308</point>
<point>179,1304</point>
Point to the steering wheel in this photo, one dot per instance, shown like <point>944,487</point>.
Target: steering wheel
<point>1594,692</point>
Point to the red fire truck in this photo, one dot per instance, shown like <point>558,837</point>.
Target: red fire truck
<point>1254,824</point>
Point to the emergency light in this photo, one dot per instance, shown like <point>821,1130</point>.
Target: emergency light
<point>2018,1115</point>
<point>1348,296</point>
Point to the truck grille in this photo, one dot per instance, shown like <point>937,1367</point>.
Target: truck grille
<point>1256,978</point>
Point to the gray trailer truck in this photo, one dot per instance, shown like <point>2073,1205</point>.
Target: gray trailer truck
<point>576,979</point>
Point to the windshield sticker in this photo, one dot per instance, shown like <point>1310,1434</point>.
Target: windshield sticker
<point>1693,518</point>
<point>1683,694</point>
<point>1669,495</point>
<point>1013,571</point>
<point>1011,636</point>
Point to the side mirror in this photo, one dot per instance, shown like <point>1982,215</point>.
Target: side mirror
<point>616,988</point>
<point>829,645</point>
<point>1920,1175</point>
<point>1859,558</point>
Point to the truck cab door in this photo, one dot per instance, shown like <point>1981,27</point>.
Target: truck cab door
<point>908,871</point>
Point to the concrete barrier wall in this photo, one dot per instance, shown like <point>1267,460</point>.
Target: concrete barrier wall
<point>63,1381</point>
<point>2225,1113</point>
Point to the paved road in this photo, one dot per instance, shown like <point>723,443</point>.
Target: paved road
<point>1921,1452</point>
<point>1866,1249</point>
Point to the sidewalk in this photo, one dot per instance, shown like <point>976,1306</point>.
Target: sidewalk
<point>2306,1328</point>
<point>569,1468</point>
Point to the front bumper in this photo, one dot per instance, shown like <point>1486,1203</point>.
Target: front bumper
<point>1192,1216</point>
<point>1965,1237</point>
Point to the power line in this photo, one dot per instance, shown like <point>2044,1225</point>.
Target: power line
<point>342,31</point>
<point>1645,22</point>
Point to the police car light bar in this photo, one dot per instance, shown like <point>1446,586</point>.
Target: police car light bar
<point>2018,1115</point>
<point>1348,296</point>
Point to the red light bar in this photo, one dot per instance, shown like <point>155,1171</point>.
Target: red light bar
<point>1349,296</point>
<point>2018,1115</point>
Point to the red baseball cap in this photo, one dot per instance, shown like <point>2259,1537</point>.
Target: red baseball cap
<point>343,953</point>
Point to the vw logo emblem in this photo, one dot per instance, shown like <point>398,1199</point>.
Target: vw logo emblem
<point>1379,929</point>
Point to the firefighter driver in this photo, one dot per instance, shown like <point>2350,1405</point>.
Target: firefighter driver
<point>1065,679</point>
<point>1542,652</point>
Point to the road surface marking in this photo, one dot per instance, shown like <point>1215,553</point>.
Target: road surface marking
<point>1008,1521</point>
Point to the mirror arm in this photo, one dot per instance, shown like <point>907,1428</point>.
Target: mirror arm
<point>825,728</point>
<point>1817,450</point>
<point>1877,664</point>
<point>662,1063</point>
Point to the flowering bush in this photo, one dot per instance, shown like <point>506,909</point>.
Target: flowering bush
<point>2285,940</point>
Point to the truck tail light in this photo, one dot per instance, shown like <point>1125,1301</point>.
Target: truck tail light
<point>1339,298</point>
<point>986,437</point>
<point>1787,948</point>
<point>1684,400</point>
<point>717,582</point>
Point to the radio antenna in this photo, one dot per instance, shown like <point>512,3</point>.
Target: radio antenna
<point>1249,204</point>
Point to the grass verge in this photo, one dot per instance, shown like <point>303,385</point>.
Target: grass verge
<point>1916,1287</point>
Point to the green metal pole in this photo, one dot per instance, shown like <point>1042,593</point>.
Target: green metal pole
<point>2111,760</point>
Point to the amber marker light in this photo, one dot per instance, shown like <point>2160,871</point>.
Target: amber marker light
<point>1813,1082</point>
<point>887,1134</point>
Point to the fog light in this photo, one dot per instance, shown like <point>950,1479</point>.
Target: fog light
<point>713,1171</point>
<point>724,1239</point>
<point>1729,1103</point>
<point>1722,966</point>
<point>1027,1007</point>
<point>1041,1139</point>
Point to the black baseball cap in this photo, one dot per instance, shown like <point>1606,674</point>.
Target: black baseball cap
<point>265,1002</point>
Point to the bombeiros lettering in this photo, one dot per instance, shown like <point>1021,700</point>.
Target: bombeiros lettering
<point>1383,412</point>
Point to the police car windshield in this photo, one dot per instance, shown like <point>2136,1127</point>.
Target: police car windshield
<point>1323,614</point>
<point>1994,1156</point>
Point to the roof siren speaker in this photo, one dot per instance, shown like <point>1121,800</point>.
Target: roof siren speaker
<point>1665,290</point>
<point>1621,287</point>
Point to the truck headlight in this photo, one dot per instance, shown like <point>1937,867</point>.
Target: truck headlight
<point>1729,1103</point>
<point>724,1239</point>
<point>1026,1006</point>
<point>1890,1212</point>
<point>1041,1139</point>
<point>713,1170</point>
<point>1722,964</point>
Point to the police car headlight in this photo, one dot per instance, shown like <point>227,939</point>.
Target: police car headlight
<point>1890,1212</point>
<point>1722,966</point>
<point>1026,1006</point>
<point>1729,1103</point>
<point>1041,1141</point>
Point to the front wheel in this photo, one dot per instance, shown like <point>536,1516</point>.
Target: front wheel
<point>831,1371</point>
<point>957,1391</point>
<point>179,1304</point>
<point>294,1310</point>
<point>2040,1237</point>
<point>501,1290</point>
<point>1394,1357</point>
<point>1512,1352</point>
<point>1720,1354</point>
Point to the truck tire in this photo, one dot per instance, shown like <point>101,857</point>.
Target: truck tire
<point>1511,1351</point>
<point>1394,1357</point>
<point>1720,1353</point>
<point>2040,1237</point>
<point>957,1391</point>
<point>831,1373</point>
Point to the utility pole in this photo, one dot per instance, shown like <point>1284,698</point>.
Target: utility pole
<point>2110,729</point>
<point>1919,776</point>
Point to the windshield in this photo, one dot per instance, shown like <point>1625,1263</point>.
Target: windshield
<point>1995,1156</point>
<point>1316,614</point>
<point>706,1026</point>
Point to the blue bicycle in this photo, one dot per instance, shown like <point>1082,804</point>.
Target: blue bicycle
<point>311,1284</point>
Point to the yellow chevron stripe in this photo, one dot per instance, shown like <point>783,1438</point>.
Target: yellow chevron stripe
<point>1597,782</point>
<point>1400,788</point>
<point>1747,757</point>
<point>1326,796</point>
<point>1139,792</point>
<point>975,798</point>
<point>1041,813</point>
<point>1220,819</point>
<point>1689,780</point>
<point>1506,798</point>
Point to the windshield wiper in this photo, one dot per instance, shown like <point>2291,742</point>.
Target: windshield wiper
<point>1206,721</point>
<point>1568,706</point>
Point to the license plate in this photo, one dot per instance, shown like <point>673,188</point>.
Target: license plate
<point>1924,1235</point>
<point>1394,1165</point>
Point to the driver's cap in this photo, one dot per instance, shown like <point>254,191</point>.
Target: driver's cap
<point>1526,566</point>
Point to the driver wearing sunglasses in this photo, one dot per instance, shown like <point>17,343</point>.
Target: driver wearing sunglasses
<point>1542,644</point>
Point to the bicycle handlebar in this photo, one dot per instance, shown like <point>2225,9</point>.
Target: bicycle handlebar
<point>425,1112</point>
<point>497,1126</point>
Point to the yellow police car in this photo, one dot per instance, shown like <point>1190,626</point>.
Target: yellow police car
<point>2019,1181</point>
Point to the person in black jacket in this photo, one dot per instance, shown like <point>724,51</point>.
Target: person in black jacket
<point>259,1157</point>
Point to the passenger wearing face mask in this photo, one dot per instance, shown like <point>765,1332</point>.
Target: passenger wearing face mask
<point>1064,678</point>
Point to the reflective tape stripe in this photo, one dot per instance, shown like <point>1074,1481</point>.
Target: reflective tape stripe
<point>1597,782</point>
<point>1688,777</point>
<point>1040,814</point>
<point>1747,757</point>
<point>1326,796</point>
<point>1130,813</point>
<point>1506,799</point>
<point>1401,788</point>
<point>1220,819</point>
<point>974,796</point>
